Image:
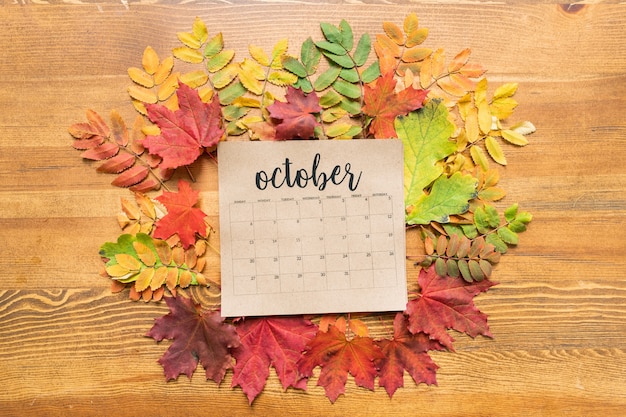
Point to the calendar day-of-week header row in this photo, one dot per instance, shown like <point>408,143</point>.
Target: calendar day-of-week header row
<point>327,197</point>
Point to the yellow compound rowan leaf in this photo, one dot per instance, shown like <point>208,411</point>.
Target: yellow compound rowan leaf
<point>200,264</point>
<point>164,70</point>
<point>171,280</point>
<point>394,32</point>
<point>168,87</point>
<point>282,78</point>
<point>184,279</point>
<point>279,50</point>
<point>145,254</point>
<point>221,60</point>
<point>130,263</point>
<point>132,211</point>
<point>142,94</point>
<point>251,74</point>
<point>178,255</point>
<point>495,150</point>
<point>199,30</point>
<point>514,137</point>
<point>416,54</point>
<point>116,270</point>
<point>143,279</point>
<point>186,54</point>
<point>158,279</point>
<point>189,39</point>
<point>484,117</point>
<point>190,257</point>
<point>471,125</point>
<point>140,77</point>
<point>459,60</point>
<point>194,79</point>
<point>150,60</point>
<point>202,280</point>
<point>479,157</point>
<point>259,55</point>
<point>411,22</point>
<point>505,90</point>
<point>146,205</point>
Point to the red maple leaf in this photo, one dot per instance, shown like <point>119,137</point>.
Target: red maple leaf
<point>383,104</point>
<point>447,303</point>
<point>337,356</point>
<point>265,342</point>
<point>406,351</point>
<point>181,218</point>
<point>198,336</point>
<point>296,115</point>
<point>187,131</point>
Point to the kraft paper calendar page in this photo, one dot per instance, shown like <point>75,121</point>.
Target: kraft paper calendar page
<point>311,227</point>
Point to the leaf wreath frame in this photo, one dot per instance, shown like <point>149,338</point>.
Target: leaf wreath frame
<point>391,86</point>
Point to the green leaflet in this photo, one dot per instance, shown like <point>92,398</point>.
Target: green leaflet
<point>425,134</point>
<point>487,222</point>
<point>447,196</point>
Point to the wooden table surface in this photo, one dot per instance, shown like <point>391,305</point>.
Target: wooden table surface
<point>70,347</point>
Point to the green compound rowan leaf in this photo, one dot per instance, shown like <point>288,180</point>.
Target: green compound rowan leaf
<point>425,134</point>
<point>448,196</point>
<point>148,262</point>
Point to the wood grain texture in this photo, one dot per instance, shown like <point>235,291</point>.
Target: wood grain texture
<point>70,347</point>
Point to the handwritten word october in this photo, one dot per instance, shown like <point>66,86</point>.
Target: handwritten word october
<point>285,175</point>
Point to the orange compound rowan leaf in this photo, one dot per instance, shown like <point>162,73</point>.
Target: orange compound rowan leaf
<point>187,131</point>
<point>199,336</point>
<point>271,341</point>
<point>182,217</point>
<point>337,357</point>
<point>447,303</point>
<point>383,104</point>
<point>405,351</point>
<point>120,149</point>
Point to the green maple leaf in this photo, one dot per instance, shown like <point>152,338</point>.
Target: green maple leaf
<point>426,137</point>
<point>447,196</point>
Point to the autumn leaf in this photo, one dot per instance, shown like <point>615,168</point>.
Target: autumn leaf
<point>426,137</point>
<point>150,264</point>
<point>383,104</point>
<point>121,151</point>
<point>187,131</point>
<point>296,116</point>
<point>182,217</point>
<point>447,196</point>
<point>337,357</point>
<point>447,303</point>
<point>198,336</point>
<point>271,341</point>
<point>405,351</point>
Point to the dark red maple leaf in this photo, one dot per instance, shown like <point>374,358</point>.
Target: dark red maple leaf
<point>296,115</point>
<point>187,131</point>
<point>337,356</point>
<point>270,341</point>
<point>447,303</point>
<point>405,351</point>
<point>182,217</point>
<point>383,104</point>
<point>198,336</point>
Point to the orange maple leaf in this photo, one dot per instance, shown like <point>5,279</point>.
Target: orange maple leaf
<point>187,131</point>
<point>337,357</point>
<point>181,218</point>
<point>383,104</point>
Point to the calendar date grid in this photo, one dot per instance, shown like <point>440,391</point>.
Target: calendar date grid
<point>312,244</point>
